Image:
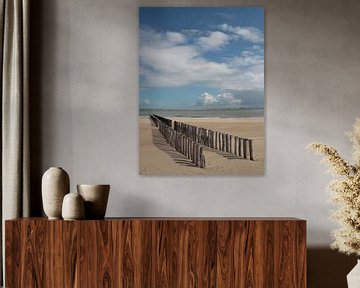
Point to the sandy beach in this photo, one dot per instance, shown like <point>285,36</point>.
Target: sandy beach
<point>157,157</point>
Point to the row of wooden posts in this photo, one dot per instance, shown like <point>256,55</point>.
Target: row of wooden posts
<point>184,137</point>
<point>156,119</point>
<point>228,143</point>
<point>183,144</point>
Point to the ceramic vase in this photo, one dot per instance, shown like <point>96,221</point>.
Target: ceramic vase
<point>55,185</point>
<point>96,198</point>
<point>353,278</point>
<point>73,207</point>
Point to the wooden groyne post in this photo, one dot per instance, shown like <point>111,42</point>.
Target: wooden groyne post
<point>183,144</point>
<point>224,142</point>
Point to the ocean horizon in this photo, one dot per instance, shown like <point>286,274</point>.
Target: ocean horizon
<point>206,113</point>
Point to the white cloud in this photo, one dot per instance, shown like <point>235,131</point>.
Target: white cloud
<point>214,41</point>
<point>207,99</point>
<point>228,98</point>
<point>250,34</point>
<point>149,36</point>
<point>175,37</point>
<point>171,59</point>
<point>191,32</point>
<point>147,102</point>
<point>165,64</point>
<point>222,100</point>
<point>250,57</point>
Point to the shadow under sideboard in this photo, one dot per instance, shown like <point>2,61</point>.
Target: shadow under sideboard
<point>328,268</point>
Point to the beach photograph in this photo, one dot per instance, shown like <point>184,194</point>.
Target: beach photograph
<point>201,91</point>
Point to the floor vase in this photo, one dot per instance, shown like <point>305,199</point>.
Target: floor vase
<point>353,278</point>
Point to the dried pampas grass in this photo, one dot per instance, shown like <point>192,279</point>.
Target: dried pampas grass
<point>345,191</point>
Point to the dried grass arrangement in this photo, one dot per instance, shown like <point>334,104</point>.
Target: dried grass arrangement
<point>345,192</point>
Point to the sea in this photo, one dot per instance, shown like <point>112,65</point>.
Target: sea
<point>206,113</point>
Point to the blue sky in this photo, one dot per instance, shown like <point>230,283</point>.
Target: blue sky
<point>201,58</point>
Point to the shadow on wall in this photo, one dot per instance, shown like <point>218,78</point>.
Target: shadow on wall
<point>328,268</point>
<point>35,64</point>
<point>44,49</point>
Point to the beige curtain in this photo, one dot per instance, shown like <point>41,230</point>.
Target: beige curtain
<point>14,25</point>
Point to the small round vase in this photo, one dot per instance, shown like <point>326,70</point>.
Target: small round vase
<point>55,185</point>
<point>96,198</point>
<point>73,207</point>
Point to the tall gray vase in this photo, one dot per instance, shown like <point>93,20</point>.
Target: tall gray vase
<point>55,185</point>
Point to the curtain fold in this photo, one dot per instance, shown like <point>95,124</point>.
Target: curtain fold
<point>15,162</point>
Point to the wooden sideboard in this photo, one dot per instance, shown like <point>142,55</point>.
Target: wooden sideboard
<point>156,252</point>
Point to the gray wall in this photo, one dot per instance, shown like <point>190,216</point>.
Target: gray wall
<point>84,87</point>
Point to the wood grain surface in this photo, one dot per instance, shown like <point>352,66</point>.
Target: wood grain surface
<point>159,252</point>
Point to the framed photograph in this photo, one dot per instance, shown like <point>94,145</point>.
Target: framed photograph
<point>201,91</point>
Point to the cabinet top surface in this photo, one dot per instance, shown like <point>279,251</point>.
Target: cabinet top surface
<point>174,219</point>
